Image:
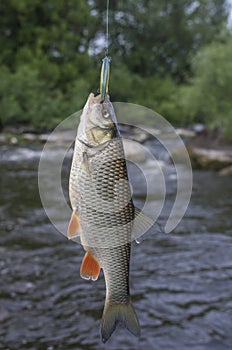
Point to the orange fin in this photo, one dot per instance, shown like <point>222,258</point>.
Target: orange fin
<point>74,226</point>
<point>90,267</point>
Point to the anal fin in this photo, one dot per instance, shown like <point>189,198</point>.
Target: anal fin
<point>74,227</point>
<point>90,267</point>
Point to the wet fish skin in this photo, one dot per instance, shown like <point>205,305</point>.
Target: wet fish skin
<point>100,195</point>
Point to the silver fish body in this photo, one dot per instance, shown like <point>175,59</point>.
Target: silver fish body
<point>100,194</point>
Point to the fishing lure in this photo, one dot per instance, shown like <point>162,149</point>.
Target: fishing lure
<point>105,75</point>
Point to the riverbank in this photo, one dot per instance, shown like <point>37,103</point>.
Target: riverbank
<point>207,150</point>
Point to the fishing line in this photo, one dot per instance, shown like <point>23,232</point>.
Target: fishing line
<point>107,28</point>
<point>105,69</point>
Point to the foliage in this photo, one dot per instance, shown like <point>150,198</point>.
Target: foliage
<point>153,92</point>
<point>51,55</point>
<point>27,99</point>
<point>156,36</point>
<point>208,97</point>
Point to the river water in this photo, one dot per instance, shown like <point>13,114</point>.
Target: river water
<point>181,283</point>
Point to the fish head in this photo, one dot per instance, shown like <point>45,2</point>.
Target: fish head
<point>98,123</point>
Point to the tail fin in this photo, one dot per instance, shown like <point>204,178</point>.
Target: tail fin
<point>118,313</point>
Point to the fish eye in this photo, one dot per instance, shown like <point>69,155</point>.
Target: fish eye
<point>106,114</point>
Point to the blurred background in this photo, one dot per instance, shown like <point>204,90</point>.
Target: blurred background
<point>173,56</point>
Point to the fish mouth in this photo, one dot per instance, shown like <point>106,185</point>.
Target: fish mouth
<point>96,99</point>
<point>113,126</point>
<point>98,122</point>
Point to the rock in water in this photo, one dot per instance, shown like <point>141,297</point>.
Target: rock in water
<point>209,159</point>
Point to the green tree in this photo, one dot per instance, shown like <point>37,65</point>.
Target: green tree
<point>51,53</point>
<point>28,100</point>
<point>54,34</point>
<point>45,69</point>
<point>156,36</point>
<point>208,97</point>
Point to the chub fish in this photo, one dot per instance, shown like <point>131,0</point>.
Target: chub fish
<point>104,216</point>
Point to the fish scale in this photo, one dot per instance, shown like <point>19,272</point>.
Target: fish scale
<point>99,210</point>
<point>116,272</point>
<point>115,262</point>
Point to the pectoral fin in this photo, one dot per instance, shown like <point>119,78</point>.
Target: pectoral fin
<point>90,267</point>
<point>74,227</point>
<point>141,224</point>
